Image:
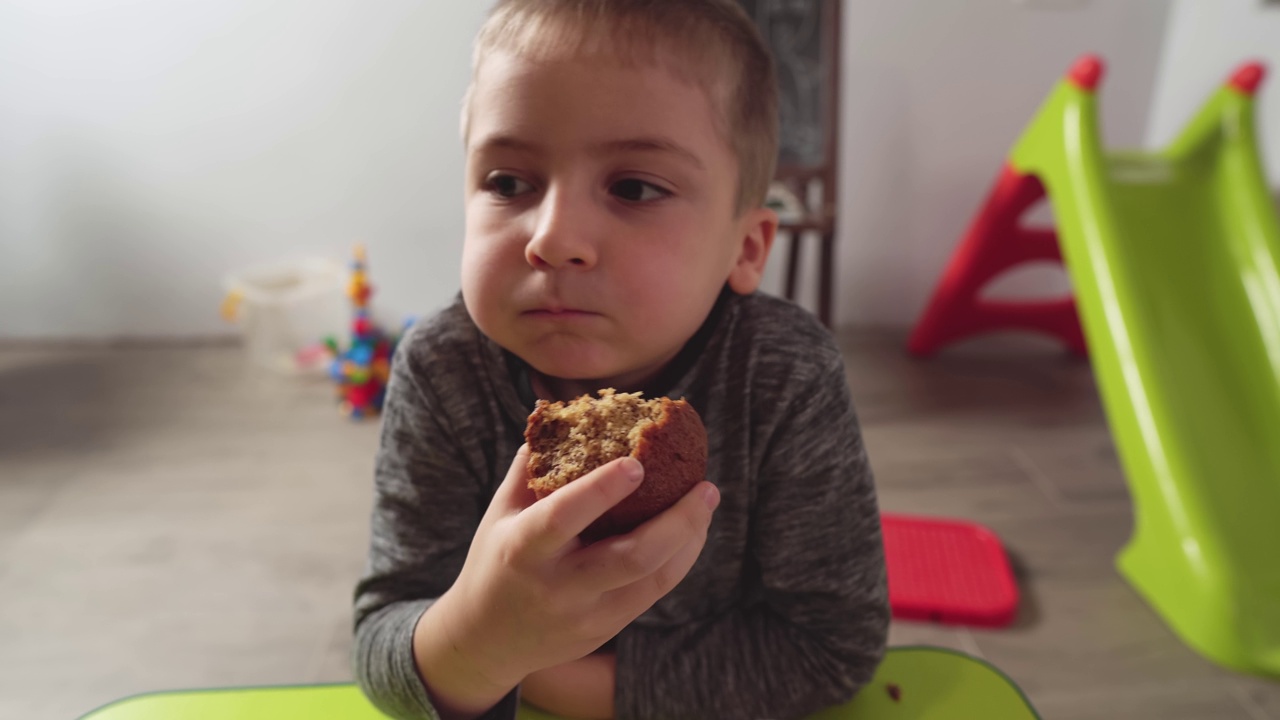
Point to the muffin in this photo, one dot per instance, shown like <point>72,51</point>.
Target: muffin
<point>569,440</point>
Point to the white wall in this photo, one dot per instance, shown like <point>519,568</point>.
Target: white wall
<point>1206,41</point>
<point>148,147</point>
<point>935,94</point>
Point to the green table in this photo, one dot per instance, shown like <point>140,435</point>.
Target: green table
<point>916,683</point>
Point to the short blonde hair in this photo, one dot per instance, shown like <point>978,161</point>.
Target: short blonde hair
<point>708,42</point>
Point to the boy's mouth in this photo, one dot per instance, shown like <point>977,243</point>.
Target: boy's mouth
<point>557,313</point>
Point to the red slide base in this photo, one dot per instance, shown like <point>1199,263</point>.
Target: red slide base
<point>994,243</point>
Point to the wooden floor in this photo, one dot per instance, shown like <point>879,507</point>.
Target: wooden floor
<point>171,518</point>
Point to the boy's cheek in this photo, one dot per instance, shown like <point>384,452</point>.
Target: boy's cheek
<point>478,293</point>
<point>484,265</point>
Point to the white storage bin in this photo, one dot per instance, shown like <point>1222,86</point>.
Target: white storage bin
<point>286,310</point>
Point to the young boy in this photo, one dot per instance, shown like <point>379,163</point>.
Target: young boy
<point>618,154</point>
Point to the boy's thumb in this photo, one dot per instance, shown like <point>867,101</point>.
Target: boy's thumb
<point>513,494</point>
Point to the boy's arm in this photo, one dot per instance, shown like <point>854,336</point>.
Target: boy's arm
<point>427,506</point>
<point>815,632</point>
<point>391,678</point>
<point>469,589</point>
<point>581,688</point>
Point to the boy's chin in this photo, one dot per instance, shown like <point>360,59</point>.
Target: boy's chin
<point>573,377</point>
<point>572,372</point>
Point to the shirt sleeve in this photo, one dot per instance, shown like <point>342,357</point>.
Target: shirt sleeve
<point>426,508</point>
<point>814,629</point>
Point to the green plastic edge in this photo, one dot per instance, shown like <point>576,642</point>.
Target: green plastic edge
<point>976,659</point>
<point>297,686</point>
<point>225,688</point>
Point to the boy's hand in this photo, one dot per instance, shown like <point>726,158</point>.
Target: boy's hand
<point>581,688</point>
<point>531,595</point>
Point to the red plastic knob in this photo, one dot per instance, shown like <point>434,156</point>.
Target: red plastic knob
<point>1248,77</point>
<point>1087,72</point>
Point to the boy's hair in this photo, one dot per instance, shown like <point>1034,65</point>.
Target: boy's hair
<point>708,42</point>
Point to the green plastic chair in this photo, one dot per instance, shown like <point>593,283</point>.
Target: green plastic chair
<point>913,683</point>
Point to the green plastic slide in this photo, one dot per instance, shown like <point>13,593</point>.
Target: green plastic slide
<point>914,683</point>
<point>1174,257</point>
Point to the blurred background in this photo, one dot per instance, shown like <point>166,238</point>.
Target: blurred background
<point>147,149</point>
<point>171,516</point>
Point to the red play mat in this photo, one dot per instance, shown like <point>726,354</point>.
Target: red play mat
<point>948,571</point>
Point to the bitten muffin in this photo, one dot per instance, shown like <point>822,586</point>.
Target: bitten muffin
<point>569,440</point>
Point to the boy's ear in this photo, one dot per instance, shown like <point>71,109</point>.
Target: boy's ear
<point>757,229</point>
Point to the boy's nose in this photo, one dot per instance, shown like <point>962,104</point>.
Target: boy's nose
<point>561,238</point>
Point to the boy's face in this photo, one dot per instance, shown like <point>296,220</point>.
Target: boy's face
<point>600,217</point>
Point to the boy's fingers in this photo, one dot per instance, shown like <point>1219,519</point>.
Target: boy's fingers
<point>632,600</point>
<point>561,516</point>
<point>617,562</point>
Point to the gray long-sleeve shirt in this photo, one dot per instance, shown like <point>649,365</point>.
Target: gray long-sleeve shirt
<point>784,613</point>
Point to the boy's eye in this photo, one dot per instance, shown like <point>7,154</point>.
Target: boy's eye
<point>507,186</point>
<point>637,190</point>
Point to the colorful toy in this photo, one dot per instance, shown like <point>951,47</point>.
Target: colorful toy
<point>362,370</point>
<point>1174,256</point>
